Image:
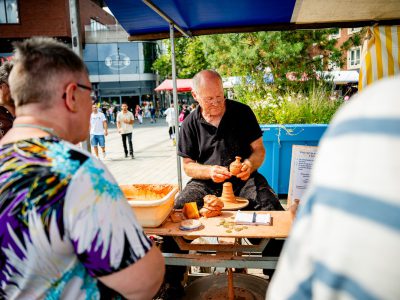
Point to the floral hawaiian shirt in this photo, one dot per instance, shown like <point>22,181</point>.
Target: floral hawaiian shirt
<point>63,222</point>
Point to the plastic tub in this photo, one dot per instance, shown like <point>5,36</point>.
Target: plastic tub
<point>278,141</point>
<point>151,203</point>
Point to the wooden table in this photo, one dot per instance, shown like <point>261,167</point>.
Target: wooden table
<point>234,255</point>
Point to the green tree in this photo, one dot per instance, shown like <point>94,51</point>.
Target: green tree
<point>250,54</point>
<point>189,55</point>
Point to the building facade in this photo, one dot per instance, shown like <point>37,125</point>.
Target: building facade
<point>352,56</point>
<point>120,71</point>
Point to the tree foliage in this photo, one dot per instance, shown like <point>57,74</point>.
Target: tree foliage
<point>249,54</point>
<point>259,55</point>
<point>189,55</point>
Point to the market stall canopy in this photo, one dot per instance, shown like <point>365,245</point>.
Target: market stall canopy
<point>199,17</point>
<point>183,85</point>
<point>341,77</point>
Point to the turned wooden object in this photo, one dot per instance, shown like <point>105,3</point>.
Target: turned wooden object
<point>236,166</point>
<point>231,289</point>
<point>227,193</point>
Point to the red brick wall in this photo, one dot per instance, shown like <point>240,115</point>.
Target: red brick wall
<point>51,18</point>
<point>39,17</point>
<point>344,36</point>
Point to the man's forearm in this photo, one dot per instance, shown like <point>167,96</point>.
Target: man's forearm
<point>256,159</point>
<point>197,171</point>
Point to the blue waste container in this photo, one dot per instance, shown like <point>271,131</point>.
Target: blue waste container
<point>278,141</point>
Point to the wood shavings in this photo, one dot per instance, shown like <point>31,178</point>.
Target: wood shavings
<point>231,226</point>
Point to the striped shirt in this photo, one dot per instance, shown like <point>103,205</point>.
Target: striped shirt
<point>345,243</point>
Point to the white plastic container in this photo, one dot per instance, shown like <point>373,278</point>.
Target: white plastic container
<point>151,203</point>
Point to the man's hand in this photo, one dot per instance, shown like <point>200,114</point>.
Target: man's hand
<point>294,207</point>
<point>105,132</point>
<point>247,169</point>
<point>219,174</point>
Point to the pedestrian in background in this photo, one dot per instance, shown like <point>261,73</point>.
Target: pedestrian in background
<point>170,118</point>
<point>139,113</point>
<point>98,131</point>
<point>184,113</point>
<point>153,114</point>
<point>125,120</point>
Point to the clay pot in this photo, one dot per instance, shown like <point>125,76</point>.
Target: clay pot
<point>235,166</point>
<point>227,193</point>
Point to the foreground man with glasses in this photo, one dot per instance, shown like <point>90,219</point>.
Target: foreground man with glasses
<point>67,230</point>
<point>209,139</point>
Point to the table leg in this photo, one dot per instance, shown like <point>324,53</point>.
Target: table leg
<point>231,290</point>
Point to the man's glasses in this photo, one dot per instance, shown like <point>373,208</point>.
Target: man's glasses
<point>82,86</point>
<point>85,87</point>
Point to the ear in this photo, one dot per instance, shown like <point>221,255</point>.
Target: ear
<point>70,100</point>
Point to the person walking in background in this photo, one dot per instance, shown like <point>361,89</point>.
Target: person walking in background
<point>184,113</point>
<point>7,107</point>
<point>67,231</point>
<point>98,131</point>
<point>139,113</point>
<point>111,114</point>
<point>125,122</point>
<point>170,118</point>
<point>146,108</point>
<point>153,114</point>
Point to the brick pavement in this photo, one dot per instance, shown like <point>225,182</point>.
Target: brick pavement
<point>155,156</point>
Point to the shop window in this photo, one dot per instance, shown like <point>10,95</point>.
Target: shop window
<point>9,12</point>
<point>353,58</point>
<point>354,30</point>
<point>336,34</point>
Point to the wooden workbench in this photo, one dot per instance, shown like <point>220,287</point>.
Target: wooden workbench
<point>281,224</point>
<point>236,255</point>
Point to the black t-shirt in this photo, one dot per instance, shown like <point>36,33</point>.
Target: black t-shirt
<point>209,145</point>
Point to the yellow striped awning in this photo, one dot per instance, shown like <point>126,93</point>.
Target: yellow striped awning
<point>381,57</point>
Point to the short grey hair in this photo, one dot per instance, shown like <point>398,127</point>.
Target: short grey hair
<point>5,70</point>
<point>196,81</point>
<point>40,63</point>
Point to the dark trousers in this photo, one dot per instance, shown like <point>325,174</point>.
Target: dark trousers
<point>129,137</point>
<point>171,130</point>
<point>261,198</point>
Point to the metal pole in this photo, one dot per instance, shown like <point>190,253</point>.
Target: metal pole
<point>163,15</point>
<point>75,21</point>
<point>175,96</point>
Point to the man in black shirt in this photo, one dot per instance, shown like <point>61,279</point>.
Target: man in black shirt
<point>211,137</point>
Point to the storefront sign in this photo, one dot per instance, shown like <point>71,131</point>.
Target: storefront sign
<point>117,61</point>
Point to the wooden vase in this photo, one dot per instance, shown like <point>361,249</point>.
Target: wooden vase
<point>235,166</point>
<point>227,193</point>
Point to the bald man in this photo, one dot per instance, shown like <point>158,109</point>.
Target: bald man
<point>211,137</point>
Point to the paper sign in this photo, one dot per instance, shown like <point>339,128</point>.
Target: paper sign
<point>300,171</point>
